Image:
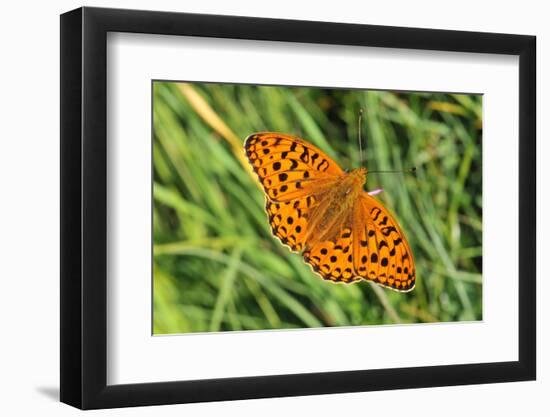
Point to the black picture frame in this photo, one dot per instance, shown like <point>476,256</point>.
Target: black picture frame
<point>84,207</point>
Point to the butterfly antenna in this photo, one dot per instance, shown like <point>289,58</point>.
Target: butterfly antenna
<point>359,137</point>
<point>401,171</point>
<point>404,171</point>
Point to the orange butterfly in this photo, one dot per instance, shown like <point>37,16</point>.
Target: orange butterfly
<point>316,208</point>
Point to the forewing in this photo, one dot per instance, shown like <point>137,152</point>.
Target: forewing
<point>288,167</point>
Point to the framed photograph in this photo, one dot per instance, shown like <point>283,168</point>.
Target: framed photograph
<point>258,208</point>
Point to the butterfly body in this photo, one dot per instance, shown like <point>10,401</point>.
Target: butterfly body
<point>323,212</point>
<point>337,200</point>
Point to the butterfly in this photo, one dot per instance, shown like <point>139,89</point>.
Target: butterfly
<point>319,210</point>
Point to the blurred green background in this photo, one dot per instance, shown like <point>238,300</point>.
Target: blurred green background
<point>217,266</point>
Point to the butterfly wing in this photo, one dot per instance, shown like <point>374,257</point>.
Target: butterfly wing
<point>288,167</point>
<point>294,175</point>
<point>289,221</point>
<point>381,252</point>
<point>332,258</point>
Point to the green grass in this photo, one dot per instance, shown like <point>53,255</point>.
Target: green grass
<point>216,264</point>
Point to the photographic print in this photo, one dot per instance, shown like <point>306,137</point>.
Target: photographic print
<point>282,207</point>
